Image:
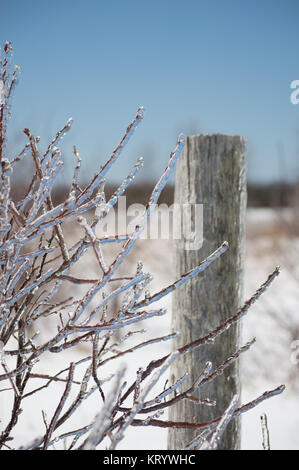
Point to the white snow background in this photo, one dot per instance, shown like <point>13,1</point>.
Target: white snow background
<point>273,320</point>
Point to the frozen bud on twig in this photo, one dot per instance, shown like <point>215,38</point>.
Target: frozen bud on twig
<point>7,47</point>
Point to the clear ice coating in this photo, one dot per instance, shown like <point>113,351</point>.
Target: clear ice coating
<point>147,295</point>
<point>69,123</point>
<point>140,112</point>
<point>7,47</point>
<point>139,267</point>
<point>17,70</point>
<point>33,220</point>
<point>2,91</point>
<point>181,138</point>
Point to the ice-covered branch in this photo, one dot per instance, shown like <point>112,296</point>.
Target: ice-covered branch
<point>103,419</point>
<point>33,287</point>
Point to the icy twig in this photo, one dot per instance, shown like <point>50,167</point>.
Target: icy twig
<point>51,378</point>
<point>93,241</point>
<point>20,155</point>
<point>103,419</point>
<point>59,135</point>
<point>76,170</point>
<point>103,208</point>
<point>5,368</point>
<point>139,398</point>
<point>222,424</point>
<point>115,324</point>
<point>132,283</point>
<point>219,370</point>
<point>211,424</point>
<point>138,346</point>
<point>77,280</point>
<point>61,403</point>
<point>94,364</point>
<point>104,169</point>
<point>213,334</point>
<point>193,272</point>
<point>265,432</point>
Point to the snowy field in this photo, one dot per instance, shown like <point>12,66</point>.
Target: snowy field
<point>273,320</point>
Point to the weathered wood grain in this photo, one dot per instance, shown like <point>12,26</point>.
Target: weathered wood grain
<point>211,171</point>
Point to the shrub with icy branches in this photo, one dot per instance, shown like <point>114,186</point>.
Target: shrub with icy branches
<point>36,264</point>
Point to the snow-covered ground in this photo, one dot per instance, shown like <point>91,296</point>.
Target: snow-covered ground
<point>273,320</point>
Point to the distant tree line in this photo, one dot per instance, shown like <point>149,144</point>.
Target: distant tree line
<point>278,194</point>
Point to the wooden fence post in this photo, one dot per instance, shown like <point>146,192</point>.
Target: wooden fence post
<point>212,172</point>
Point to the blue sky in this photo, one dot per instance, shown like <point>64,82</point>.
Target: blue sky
<point>196,66</point>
